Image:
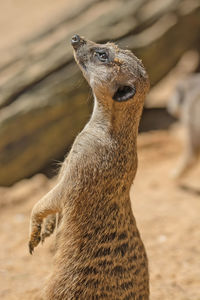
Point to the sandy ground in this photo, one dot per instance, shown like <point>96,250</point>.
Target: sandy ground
<point>167,216</point>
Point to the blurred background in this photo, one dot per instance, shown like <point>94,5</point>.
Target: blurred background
<point>45,102</point>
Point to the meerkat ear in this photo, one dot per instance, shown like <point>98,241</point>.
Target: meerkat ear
<point>124,93</point>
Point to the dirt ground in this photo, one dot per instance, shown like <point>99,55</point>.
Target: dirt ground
<point>167,215</point>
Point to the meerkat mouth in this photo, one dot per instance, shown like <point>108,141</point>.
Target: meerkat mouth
<point>82,64</point>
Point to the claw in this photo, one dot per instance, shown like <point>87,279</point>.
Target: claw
<point>42,238</point>
<point>31,248</point>
<point>33,243</point>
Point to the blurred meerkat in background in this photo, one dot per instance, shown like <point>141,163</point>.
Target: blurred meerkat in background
<point>185,105</point>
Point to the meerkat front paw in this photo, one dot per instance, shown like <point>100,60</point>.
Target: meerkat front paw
<point>48,205</point>
<point>39,234</point>
<point>35,238</point>
<point>49,226</point>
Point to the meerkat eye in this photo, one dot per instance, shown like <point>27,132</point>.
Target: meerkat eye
<point>102,55</point>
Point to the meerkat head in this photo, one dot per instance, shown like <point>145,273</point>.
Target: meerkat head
<point>111,72</point>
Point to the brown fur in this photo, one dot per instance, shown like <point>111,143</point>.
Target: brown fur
<point>100,253</point>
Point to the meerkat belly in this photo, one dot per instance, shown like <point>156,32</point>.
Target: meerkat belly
<point>103,259</point>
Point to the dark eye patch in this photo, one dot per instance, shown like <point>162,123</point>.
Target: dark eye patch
<point>102,54</point>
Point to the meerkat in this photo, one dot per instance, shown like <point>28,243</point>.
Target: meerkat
<point>100,254</point>
<point>185,105</point>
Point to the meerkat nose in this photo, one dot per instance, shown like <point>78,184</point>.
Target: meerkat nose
<point>75,41</point>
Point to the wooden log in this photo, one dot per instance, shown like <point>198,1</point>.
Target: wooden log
<point>43,100</point>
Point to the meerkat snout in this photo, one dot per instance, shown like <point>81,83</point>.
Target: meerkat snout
<point>75,40</point>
